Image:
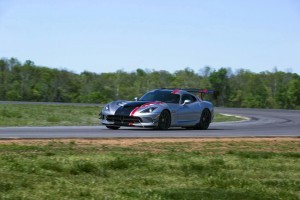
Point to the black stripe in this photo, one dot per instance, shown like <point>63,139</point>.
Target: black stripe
<point>124,111</point>
<point>129,107</point>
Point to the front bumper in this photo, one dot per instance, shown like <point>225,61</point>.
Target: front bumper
<point>139,121</point>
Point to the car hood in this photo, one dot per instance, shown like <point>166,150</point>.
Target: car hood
<point>128,108</point>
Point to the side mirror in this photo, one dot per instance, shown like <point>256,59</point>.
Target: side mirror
<point>136,98</point>
<point>187,101</point>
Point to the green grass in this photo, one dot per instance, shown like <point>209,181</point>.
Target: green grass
<point>59,115</point>
<point>48,115</point>
<point>180,170</point>
<point>224,118</point>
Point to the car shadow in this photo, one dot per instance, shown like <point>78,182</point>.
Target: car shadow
<point>170,129</point>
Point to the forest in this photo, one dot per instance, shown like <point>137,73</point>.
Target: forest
<point>241,88</point>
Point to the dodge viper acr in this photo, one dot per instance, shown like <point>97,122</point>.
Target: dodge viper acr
<point>161,109</point>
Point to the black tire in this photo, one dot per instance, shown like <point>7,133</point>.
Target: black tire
<point>164,121</point>
<point>204,121</point>
<point>113,127</point>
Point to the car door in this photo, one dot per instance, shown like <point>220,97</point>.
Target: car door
<point>188,114</point>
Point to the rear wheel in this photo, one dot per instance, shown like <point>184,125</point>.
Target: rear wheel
<point>164,121</point>
<point>204,120</point>
<point>113,127</point>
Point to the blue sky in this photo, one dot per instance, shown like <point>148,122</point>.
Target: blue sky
<point>108,35</point>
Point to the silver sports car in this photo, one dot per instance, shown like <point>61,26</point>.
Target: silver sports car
<point>161,109</point>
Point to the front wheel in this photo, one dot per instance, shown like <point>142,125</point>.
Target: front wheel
<point>164,121</point>
<point>204,120</point>
<point>113,127</point>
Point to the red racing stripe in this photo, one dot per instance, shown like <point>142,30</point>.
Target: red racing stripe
<point>133,111</point>
<point>176,91</point>
<point>144,105</point>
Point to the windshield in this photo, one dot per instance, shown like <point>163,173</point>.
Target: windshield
<point>164,96</point>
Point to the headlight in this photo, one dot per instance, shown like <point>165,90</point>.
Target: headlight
<point>106,108</point>
<point>148,110</point>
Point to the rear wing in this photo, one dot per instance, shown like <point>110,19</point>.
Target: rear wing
<point>202,92</point>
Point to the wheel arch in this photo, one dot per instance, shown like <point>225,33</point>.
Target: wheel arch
<point>170,120</point>
<point>210,114</point>
<point>202,125</point>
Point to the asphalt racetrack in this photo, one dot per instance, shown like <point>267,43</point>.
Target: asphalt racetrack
<point>260,123</point>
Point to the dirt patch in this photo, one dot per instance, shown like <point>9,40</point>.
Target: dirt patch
<point>134,141</point>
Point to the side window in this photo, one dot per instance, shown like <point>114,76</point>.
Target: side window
<point>173,98</point>
<point>193,98</point>
<point>187,96</point>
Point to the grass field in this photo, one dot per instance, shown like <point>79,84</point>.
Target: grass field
<point>48,115</point>
<point>58,115</point>
<point>150,169</point>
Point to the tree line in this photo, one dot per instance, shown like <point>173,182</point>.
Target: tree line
<point>242,88</point>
